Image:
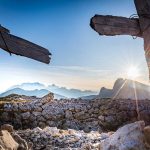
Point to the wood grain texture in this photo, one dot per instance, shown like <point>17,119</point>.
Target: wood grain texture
<point>22,47</point>
<point>143,10</point>
<point>2,29</point>
<point>113,25</point>
<point>142,7</point>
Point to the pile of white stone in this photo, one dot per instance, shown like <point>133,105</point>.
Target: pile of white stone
<point>133,136</point>
<point>52,138</point>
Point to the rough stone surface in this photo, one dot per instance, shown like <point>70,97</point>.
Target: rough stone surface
<point>126,138</point>
<point>147,135</point>
<point>77,124</point>
<point>7,127</point>
<point>51,138</point>
<point>10,140</point>
<point>75,113</point>
<point>7,142</point>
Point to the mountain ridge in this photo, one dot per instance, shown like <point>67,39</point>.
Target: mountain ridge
<point>122,89</point>
<point>39,90</point>
<point>126,89</point>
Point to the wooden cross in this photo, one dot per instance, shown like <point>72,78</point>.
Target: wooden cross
<point>140,27</point>
<point>19,46</point>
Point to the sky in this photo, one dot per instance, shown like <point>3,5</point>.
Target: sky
<point>80,57</point>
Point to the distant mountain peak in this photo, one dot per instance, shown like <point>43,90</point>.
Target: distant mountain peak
<point>126,89</point>
<point>39,89</point>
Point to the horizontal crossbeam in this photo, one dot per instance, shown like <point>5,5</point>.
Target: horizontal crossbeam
<point>22,47</point>
<point>113,25</point>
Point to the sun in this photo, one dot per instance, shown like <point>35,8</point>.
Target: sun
<point>132,72</point>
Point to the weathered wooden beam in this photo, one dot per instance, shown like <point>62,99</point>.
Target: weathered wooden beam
<point>142,7</point>
<point>22,47</point>
<point>113,25</point>
<point>143,10</point>
<point>2,29</point>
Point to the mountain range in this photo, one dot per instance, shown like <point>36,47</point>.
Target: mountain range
<point>124,89</point>
<point>40,90</point>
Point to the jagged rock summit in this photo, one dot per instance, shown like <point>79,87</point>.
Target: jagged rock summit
<point>126,89</point>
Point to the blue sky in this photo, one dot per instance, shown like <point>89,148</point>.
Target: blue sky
<point>80,57</point>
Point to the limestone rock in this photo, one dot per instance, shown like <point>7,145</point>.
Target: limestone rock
<point>5,116</point>
<point>41,124</point>
<point>72,124</point>
<point>51,130</point>
<point>7,107</point>
<point>51,123</point>
<point>68,114</point>
<point>24,107</point>
<point>7,127</point>
<point>38,109</point>
<point>25,115</point>
<point>22,143</point>
<point>36,113</point>
<point>147,135</point>
<point>7,142</point>
<point>47,98</point>
<point>52,113</point>
<point>74,113</point>
<point>52,138</point>
<point>15,107</point>
<point>110,119</point>
<point>101,118</point>
<point>126,138</point>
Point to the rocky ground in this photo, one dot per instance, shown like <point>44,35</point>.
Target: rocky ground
<point>87,115</point>
<point>134,136</point>
<point>48,124</point>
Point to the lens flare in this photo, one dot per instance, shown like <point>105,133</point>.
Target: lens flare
<point>132,72</point>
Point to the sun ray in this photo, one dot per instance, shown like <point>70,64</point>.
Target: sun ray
<point>136,101</point>
<point>132,72</point>
<point>119,89</point>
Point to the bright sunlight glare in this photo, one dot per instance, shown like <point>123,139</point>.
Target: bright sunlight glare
<point>132,72</point>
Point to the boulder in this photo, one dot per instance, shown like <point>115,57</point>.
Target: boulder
<point>147,135</point>
<point>25,115</point>
<point>7,127</point>
<point>24,107</point>
<point>7,142</point>
<point>51,130</point>
<point>41,125</point>
<point>128,137</point>
<point>47,98</point>
<point>51,123</point>
<point>8,107</point>
<point>10,140</point>
<point>22,143</point>
<point>53,113</point>
<point>36,113</point>
<point>68,114</point>
<point>101,118</point>
<point>5,116</point>
<point>38,109</point>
